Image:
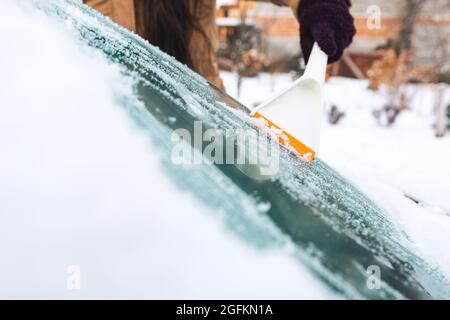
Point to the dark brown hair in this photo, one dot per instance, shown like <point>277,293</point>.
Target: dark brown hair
<point>169,24</point>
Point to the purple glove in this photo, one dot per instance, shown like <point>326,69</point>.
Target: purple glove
<point>327,22</point>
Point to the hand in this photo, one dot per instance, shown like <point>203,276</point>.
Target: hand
<point>327,22</point>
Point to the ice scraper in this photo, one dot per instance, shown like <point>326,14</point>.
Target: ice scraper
<point>294,115</point>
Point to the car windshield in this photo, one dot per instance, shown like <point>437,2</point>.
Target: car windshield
<point>306,213</point>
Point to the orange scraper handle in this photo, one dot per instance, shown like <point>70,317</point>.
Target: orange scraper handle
<point>288,140</point>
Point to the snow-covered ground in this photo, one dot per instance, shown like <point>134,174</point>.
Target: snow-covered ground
<point>391,165</point>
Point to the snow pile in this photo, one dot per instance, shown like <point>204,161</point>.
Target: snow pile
<point>395,166</point>
<point>81,185</point>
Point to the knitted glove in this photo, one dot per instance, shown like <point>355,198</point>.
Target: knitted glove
<point>327,22</point>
